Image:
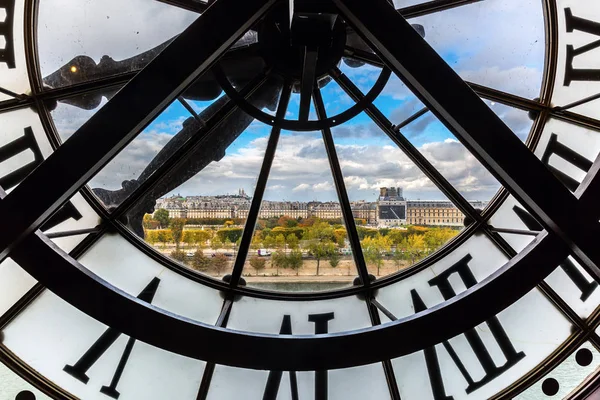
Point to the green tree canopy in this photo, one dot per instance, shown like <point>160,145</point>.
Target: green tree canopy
<point>176,227</point>
<point>334,259</point>
<point>162,216</point>
<point>233,234</point>
<point>320,250</point>
<point>294,260</point>
<point>292,241</point>
<point>163,236</point>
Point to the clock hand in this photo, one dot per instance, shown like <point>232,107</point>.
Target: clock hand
<point>353,40</point>
<point>213,148</point>
<point>241,64</point>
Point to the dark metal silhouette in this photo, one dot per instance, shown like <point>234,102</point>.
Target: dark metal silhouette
<point>247,58</point>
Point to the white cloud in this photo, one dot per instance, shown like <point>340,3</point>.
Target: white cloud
<point>486,49</point>
<point>323,186</point>
<point>301,187</point>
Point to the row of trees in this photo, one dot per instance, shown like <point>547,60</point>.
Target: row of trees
<point>319,238</point>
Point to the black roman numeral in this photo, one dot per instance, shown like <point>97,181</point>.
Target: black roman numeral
<point>27,142</point>
<point>492,371</point>
<point>321,322</point>
<point>583,25</point>
<point>274,379</point>
<point>108,338</point>
<point>7,55</point>
<point>24,143</point>
<point>586,288</point>
<point>568,154</point>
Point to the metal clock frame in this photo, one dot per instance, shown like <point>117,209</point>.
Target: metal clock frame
<point>542,107</point>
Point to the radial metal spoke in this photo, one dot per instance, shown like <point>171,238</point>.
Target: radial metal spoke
<point>388,368</point>
<point>182,153</point>
<point>190,109</point>
<point>13,94</point>
<point>561,305</point>
<point>508,99</point>
<point>340,187</point>
<point>577,119</point>
<point>309,73</point>
<point>483,91</point>
<point>578,103</point>
<point>122,118</point>
<point>259,191</point>
<point>410,119</point>
<point>514,231</point>
<point>408,148</point>
<point>209,370</point>
<point>476,126</point>
<point>364,56</point>
<point>74,232</point>
<point>418,10</point>
<point>38,288</point>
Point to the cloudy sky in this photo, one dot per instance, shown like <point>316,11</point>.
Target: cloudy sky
<point>497,43</point>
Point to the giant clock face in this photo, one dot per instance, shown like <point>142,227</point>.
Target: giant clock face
<point>272,199</point>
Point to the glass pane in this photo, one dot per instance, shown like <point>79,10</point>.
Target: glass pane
<point>468,40</point>
<point>300,234</point>
<point>86,41</point>
<point>266,316</point>
<point>398,102</point>
<point>477,256</point>
<point>206,188</point>
<point>516,119</point>
<point>510,215</point>
<point>351,383</point>
<point>567,376</point>
<point>568,150</point>
<point>134,163</point>
<point>208,204</point>
<point>123,265</point>
<point>512,343</point>
<point>76,215</point>
<point>451,158</point>
<point>13,68</point>
<point>401,215</point>
<point>577,76</point>
<point>570,280</point>
<point>51,335</point>
<point>72,112</point>
<point>14,283</point>
<point>23,146</point>
<point>363,75</point>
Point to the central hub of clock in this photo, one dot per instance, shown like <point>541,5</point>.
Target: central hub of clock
<point>285,43</point>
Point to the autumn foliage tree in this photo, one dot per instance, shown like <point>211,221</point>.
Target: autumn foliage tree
<point>294,260</point>
<point>176,227</point>
<point>258,263</point>
<point>219,263</point>
<point>200,262</point>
